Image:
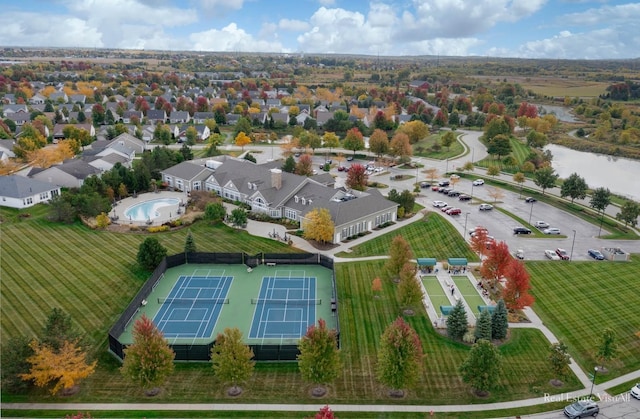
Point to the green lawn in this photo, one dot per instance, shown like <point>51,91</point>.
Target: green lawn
<point>577,300</point>
<point>436,293</point>
<point>432,237</point>
<point>519,151</point>
<point>92,275</point>
<point>423,148</point>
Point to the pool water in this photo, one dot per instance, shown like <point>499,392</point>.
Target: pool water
<point>148,210</point>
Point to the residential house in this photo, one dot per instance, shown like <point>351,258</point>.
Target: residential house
<point>9,98</point>
<point>13,108</point>
<point>155,116</point>
<point>179,117</point>
<point>58,130</point>
<point>106,161</point>
<point>37,99</point>
<point>22,192</point>
<point>6,149</point>
<point>78,99</point>
<point>186,176</point>
<point>130,141</point>
<point>201,117</point>
<point>59,97</point>
<point>323,117</point>
<point>70,174</point>
<point>19,118</point>
<point>128,116</point>
<point>202,131</point>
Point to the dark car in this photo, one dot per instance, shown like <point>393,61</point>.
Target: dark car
<point>464,197</point>
<point>595,254</point>
<point>443,183</point>
<point>581,409</point>
<point>424,185</point>
<point>445,190</point>
<point>350,158</point>
<point>530,199</point>
<point>521,230</point>
<point>562,253</point>
<point>453,193</point>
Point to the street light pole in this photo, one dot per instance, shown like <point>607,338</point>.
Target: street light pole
<point>530,212</point>
<point>572,244</point>
<point>447,170</point>
<point>464,236</point>
<point>595,372</point>
<point>471,190</point>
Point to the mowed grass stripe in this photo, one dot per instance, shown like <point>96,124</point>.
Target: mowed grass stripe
<point>578,300</point>
<point>431,237</point>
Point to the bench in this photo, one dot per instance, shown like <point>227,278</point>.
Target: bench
<point>271,264</point>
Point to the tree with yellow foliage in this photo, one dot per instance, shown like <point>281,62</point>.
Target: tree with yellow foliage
<point>64,367</point>
<point>318,225</point>
<point>242,139</point>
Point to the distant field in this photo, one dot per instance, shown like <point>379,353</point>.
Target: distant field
<point>555,86</point>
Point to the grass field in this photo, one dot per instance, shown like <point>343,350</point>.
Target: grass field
<point>423,148</point>
<point>431,237</point>
<point>578,300</point>
<point>519,151</point>
<point>92,275</point>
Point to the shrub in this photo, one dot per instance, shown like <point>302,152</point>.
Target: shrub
<point>158,229</point>
<point>469,337</point>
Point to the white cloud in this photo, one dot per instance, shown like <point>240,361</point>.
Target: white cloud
<point>293,25</point>
<point>32,30</point>
<point>221,5</point>
<point>623,13</point>
<point>118,12</point>
<point>598,44</point>
<point>231,38</point>
<point>327,2</point>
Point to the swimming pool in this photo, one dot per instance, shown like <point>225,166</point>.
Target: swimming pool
<point>148,210</point>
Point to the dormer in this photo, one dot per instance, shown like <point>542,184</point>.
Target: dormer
<point>304,201</point>
<point>249,185</point>
<point>310,202</point>
<point>296,198</point>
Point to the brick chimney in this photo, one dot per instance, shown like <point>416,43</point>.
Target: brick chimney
<point>276,178</point>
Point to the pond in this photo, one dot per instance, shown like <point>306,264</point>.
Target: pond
<point>618,174</point>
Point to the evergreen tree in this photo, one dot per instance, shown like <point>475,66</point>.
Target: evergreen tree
<point>148,362</point>
<point>483,366</point>
<point>499,321</point>
<point>15,352</point>
<point>457,322</point>
<point>151,253</point>
<point>289,165</point>
<point>232,360</point>
<point>483,326</point>
<point>58,329</point>
<point>400,356</point>
<point>319,359</point>
<point>189,245</point>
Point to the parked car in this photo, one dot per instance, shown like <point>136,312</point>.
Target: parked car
<point>541,224</point>
<point>551,230</point>
<point>550,254</point>
<point>562,253</point>
<point>581,409</point>
<point>447,208</point>
<point>443,183</point>
<point>444,190</point>
<point>635,391</point>
<point>435,188</point>
<point>521,230</point>
<point>530,199</point>
<point>464,197</point>
<point>341,168</point>
<point>485,207</point>
<point>424,185</point>
<point>454,176</point>
<point>595,254</point>
<point>453,193</point>
<point>520,254</point>
<point>439,204</point>
<point>328,161</point>
<point>478,229</point>
<point>454,211</point>
<point>478,182</point>
<point>350,158</point>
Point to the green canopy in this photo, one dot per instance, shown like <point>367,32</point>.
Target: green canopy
<point>457,261</point>
<point>426,261</point>
<point>445,310</point>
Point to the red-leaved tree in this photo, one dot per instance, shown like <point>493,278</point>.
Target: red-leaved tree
<point>357,178</point>
<point>516,292</point>
<point>479,241</point>
<point>494,267</point>
<point>325,413</point>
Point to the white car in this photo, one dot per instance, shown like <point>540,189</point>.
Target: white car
<point>551,254</point>
<point>454,176</point>
<point>635,391</point>
<point>485,207</point>
<point>478,182</point>
<point>541,224</point>
<point>439,204</point>
<point>551,230</point>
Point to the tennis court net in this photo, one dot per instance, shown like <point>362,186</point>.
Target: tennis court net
<point>285,302</point>
<point>191,301</point>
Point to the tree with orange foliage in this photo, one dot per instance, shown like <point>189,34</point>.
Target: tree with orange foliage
<point>242,139</point>
<point>479,241</point>
<point>516,292</point>
<point>304,167</point>
<point>64,367</point>
<point>376,286</point>
<point>401,147</point>
<point>494,267</point>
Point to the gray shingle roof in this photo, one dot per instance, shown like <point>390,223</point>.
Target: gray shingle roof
<point>187,171</point>
<point>15,186</point>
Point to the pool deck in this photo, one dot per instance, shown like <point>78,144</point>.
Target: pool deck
<point>167,213</point>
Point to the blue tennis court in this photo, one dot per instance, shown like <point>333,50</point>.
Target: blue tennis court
<point>192,308</point>
<point>285,307</point>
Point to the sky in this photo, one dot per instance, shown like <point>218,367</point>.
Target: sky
<point>557,29</point>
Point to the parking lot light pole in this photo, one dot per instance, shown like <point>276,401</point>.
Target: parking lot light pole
<point>572,244</point>
<point>464,236</point>
<point>595,372</point>
<point>530,213</point>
